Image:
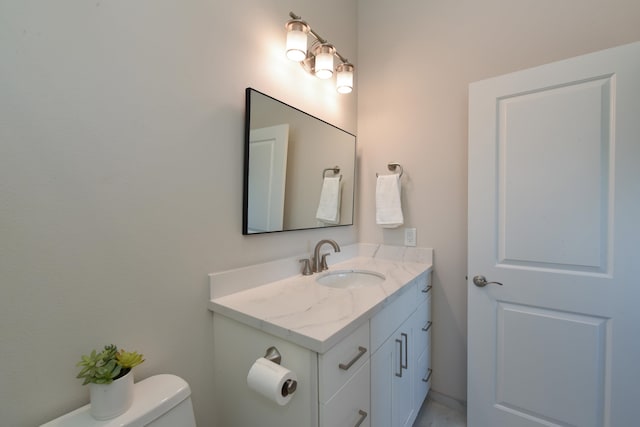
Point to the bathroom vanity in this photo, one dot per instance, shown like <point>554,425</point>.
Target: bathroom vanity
<point>360,349</point>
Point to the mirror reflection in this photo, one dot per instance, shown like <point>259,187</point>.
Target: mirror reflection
<point>299,171</point>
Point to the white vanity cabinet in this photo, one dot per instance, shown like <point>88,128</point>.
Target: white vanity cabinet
<point>376,376</point>
<point>400,363</point>
<point>360,354</point>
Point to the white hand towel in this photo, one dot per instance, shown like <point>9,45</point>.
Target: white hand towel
<point>388,202</point>
<point>330,195</point>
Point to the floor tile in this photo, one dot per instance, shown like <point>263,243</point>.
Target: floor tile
<point>434,414</point>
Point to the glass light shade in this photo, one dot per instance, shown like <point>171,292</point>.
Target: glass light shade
<point>297,39</point>
<point>324,61</point>
<point>344,79</point>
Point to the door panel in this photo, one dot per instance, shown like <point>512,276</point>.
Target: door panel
<point>554,202</point>
<point>547,367</point>
<point>553,174</point>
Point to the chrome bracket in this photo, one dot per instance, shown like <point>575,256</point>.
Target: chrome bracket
<point>273,355</point>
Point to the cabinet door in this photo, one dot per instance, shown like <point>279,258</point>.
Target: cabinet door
<point>382,372</point>
<point>406,411</point>
<point>392,403</point>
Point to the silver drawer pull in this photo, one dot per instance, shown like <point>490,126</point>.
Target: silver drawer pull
<point>363,416</point>
<point>361,352</point>
<point>399,374</point>
<point>427,289</point>
<point>428,377</point>
<point>427,326</point>
<point>406,350</point>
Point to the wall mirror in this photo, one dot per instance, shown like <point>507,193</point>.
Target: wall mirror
<point>288,154</point>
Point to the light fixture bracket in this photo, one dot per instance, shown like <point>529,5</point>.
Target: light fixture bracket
<point>309,63</point>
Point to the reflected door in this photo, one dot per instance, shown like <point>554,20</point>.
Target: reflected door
<point>554,205</point>
<point>267,178</point>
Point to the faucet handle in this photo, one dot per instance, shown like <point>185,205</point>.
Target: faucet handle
<point>306,267</point>
<point>323,262</point>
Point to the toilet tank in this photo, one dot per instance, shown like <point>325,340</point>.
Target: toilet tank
<point>158,401</point>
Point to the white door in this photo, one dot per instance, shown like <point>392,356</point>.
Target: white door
<point>554,216</point>
<point>267,178</point>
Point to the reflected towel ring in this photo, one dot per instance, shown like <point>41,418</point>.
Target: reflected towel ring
<point>335,170</point>
<point>394,166</point>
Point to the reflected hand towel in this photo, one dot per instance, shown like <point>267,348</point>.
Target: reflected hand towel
<point>330,195</point>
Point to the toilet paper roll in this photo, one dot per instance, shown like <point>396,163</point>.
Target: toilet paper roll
<point>272,381</point>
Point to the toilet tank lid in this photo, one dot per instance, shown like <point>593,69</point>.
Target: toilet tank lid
<point>152,398</point>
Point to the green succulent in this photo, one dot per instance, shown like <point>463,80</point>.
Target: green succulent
<point>109,351</point>
<point>129,359</point>
<point>108,365</point>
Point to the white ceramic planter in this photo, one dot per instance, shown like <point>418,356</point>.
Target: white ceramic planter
<point>110,400</point>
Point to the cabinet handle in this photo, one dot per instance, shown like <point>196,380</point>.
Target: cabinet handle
<point>427,289</point>
<point>427,326</point>
<point>361,352</point>
<point>399,359</point>
<point>363,416</point>
<point>428,377</point>
<point>406,350</point>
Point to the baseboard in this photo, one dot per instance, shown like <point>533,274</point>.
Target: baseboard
<point>448,401</point>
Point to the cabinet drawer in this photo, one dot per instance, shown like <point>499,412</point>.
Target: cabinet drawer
<point>422,322</point>
<point>341,362</point>
<point>350,405</point>
<point>423,372</point>
<point>391,317</point>
<point>424,286</point>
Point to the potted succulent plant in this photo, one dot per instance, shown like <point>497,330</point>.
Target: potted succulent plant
<point>110,380</point>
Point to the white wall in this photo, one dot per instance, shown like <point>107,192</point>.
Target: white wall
<point>121,149</point>
<point>416,59</point>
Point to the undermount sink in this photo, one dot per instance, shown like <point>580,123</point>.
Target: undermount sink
<point>348,279</point>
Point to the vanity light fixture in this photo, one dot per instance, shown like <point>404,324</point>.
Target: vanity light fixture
<point>297,31</point>
<point>318,60</point>
<point>324,60</point>
<point>344,79</point>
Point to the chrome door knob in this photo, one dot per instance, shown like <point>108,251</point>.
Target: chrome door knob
<point>481,282</point>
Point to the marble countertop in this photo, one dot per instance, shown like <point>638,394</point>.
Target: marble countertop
<point>315,316</point>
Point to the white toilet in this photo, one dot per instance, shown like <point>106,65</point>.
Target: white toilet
<point>158,401</point>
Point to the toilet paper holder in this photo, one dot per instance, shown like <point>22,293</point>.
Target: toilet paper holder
<point>273,355</point>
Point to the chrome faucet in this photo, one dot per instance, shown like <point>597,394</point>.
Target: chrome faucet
<point>318,262</point>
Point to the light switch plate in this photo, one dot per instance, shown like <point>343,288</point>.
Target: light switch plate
<point>410,236</point>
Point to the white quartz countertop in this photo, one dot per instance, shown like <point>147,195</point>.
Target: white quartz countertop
<point>317,317</point>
